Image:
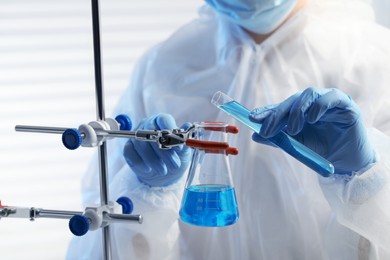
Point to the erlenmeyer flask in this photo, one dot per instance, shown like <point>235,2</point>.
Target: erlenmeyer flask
<point>209,197</point>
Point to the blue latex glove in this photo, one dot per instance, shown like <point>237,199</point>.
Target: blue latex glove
<point>325,120</point>
<point>152,165</point>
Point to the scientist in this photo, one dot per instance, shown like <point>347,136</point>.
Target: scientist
<point>324,67</point>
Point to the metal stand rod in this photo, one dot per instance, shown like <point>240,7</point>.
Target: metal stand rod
<point>138,134</point>
<point>121,218</point>
<point>104,198</point>
<point>33,213</point>
<point>62,214</point>
<point>40,129</point>
<point>100,132</point>
<point>100,116</point>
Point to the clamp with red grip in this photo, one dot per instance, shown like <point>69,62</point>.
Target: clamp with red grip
<point>212,146</point>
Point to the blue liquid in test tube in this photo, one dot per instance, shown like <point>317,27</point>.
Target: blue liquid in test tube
<point>282,140</point>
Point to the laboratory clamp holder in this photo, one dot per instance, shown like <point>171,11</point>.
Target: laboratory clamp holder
<point>95,134</point>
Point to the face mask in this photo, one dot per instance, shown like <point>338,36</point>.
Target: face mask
<point>259,16</point>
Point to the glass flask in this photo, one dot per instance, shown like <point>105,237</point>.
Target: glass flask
<point>209,197</point>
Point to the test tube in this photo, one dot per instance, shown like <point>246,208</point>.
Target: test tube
<point>288,144</point>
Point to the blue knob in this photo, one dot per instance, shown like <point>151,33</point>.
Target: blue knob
<point>71,138</point>
<point>127,205</point>
<point>78,225</point>
<point>124,121</point>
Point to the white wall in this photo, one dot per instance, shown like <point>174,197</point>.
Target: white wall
<point>46,78</point>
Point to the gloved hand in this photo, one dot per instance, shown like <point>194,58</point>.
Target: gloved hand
<point>152,165</point>
<point>325,120</point>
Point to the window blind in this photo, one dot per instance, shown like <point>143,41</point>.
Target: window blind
<point>47,79</point>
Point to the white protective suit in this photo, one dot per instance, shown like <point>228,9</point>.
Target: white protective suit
<point>287,211</point>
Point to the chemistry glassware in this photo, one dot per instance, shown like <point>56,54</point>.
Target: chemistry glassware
<point>209,197</point>
<point>282,140</point>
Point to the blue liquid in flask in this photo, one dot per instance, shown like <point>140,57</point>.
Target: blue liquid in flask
<point>209,206</point>
<point>282,140</point>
